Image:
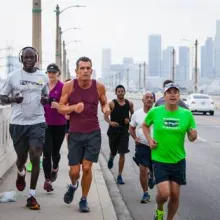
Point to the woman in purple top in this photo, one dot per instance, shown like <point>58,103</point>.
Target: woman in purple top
<point>56,129</point>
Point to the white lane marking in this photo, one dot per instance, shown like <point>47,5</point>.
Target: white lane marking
<point>201,139</point>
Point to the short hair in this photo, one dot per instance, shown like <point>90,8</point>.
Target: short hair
<point>83,59</point>
<point>167,82</point>
<point>119,87</point>
<point>152,93</point>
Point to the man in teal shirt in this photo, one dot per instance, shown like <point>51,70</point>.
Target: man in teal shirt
<point>170,125</point>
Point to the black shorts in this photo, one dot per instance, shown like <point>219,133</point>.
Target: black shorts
<point>118,142</point>
<point>143,155</point>
<point>24,136</point>
<point>170,172</point>
<point>84,146</point>
<point>67,126</point>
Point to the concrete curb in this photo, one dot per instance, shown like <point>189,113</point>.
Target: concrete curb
<point>108,210</point>
<point>120,206</point>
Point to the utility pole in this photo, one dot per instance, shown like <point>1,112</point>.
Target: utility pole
<point>144,64</point>
<point>119,76</point>
<point>127,79</point>
<point>139,84</point>
<point>57,34</point>
<point>64,61</point>
<point>60,49</point>
<point>116,76</point>
<point>58,41</point>
<point>68,69</point>
<point>196,67</point>
<point>37,30</point>
<point>173,64</point>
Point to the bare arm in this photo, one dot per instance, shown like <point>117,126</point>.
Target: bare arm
<point>111,106</point>
<point>131,108</point>
<point>127,120</point>
<point>64,108</point>
<point>103,99</point>
<point>132,131</point>
<point>107,119</point>
<point>151,141</point>
<point>192,135</point>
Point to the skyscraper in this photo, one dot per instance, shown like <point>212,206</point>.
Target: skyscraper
<point>106,62</point>
<point>154,55</point>
<point>167,63</point>
<point>203,61</point>
<point>207,59</point>
<point>183,67</point>
<point>217,50</point>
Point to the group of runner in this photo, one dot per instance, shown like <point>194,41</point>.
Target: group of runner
<point>43,110</point>
<point>42,106</point>
<point>159,130</point>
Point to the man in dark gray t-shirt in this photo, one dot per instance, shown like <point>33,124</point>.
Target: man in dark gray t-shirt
<point>161,100</point>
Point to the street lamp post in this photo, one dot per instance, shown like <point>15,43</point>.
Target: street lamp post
<point>36,29</point>
<point>57,34</point>
<point>64,61</point>
<point>68,69</point>
<point>116,76</point>
<point>196,64</point>
<point>119,76</point>
<point>73,28</point>
<point>196,67</point>
<point>60,49</point>
<point>144,64</point>
<point>60,45</point>
<point>58,12</point>
<point>73,41</point>
<point>127,79</point>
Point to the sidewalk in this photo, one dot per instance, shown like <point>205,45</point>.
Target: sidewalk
<point>52,205</point>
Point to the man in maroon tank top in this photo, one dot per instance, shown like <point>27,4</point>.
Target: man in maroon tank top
<point>80,98</point>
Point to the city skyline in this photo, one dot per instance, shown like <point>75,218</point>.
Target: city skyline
<point>122,26</point>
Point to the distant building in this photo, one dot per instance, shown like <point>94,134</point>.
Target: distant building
<point>207,59</point>
<point>154,55</point>
<point>12,63</point>
<point>217,50</point>
<point>183,69</point>
<point>106,62</point>
<point>167,63</point>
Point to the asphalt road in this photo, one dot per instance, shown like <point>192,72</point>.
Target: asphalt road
<point>200,197</point>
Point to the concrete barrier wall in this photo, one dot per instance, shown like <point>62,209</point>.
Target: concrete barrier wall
<point>7,154</point>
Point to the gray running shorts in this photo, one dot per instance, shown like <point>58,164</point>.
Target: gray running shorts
<point>84,146</point>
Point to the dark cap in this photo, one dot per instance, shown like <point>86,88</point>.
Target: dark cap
<point>171,85</point>
<point>53,68</point>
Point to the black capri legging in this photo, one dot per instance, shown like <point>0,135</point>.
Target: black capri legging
<point>51,150</point>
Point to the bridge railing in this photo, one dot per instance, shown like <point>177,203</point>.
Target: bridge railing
<point>7,154</point>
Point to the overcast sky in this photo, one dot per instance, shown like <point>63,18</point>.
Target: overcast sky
<point>122,25</point>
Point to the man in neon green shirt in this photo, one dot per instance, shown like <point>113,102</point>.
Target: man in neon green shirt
<point>170,125</point>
